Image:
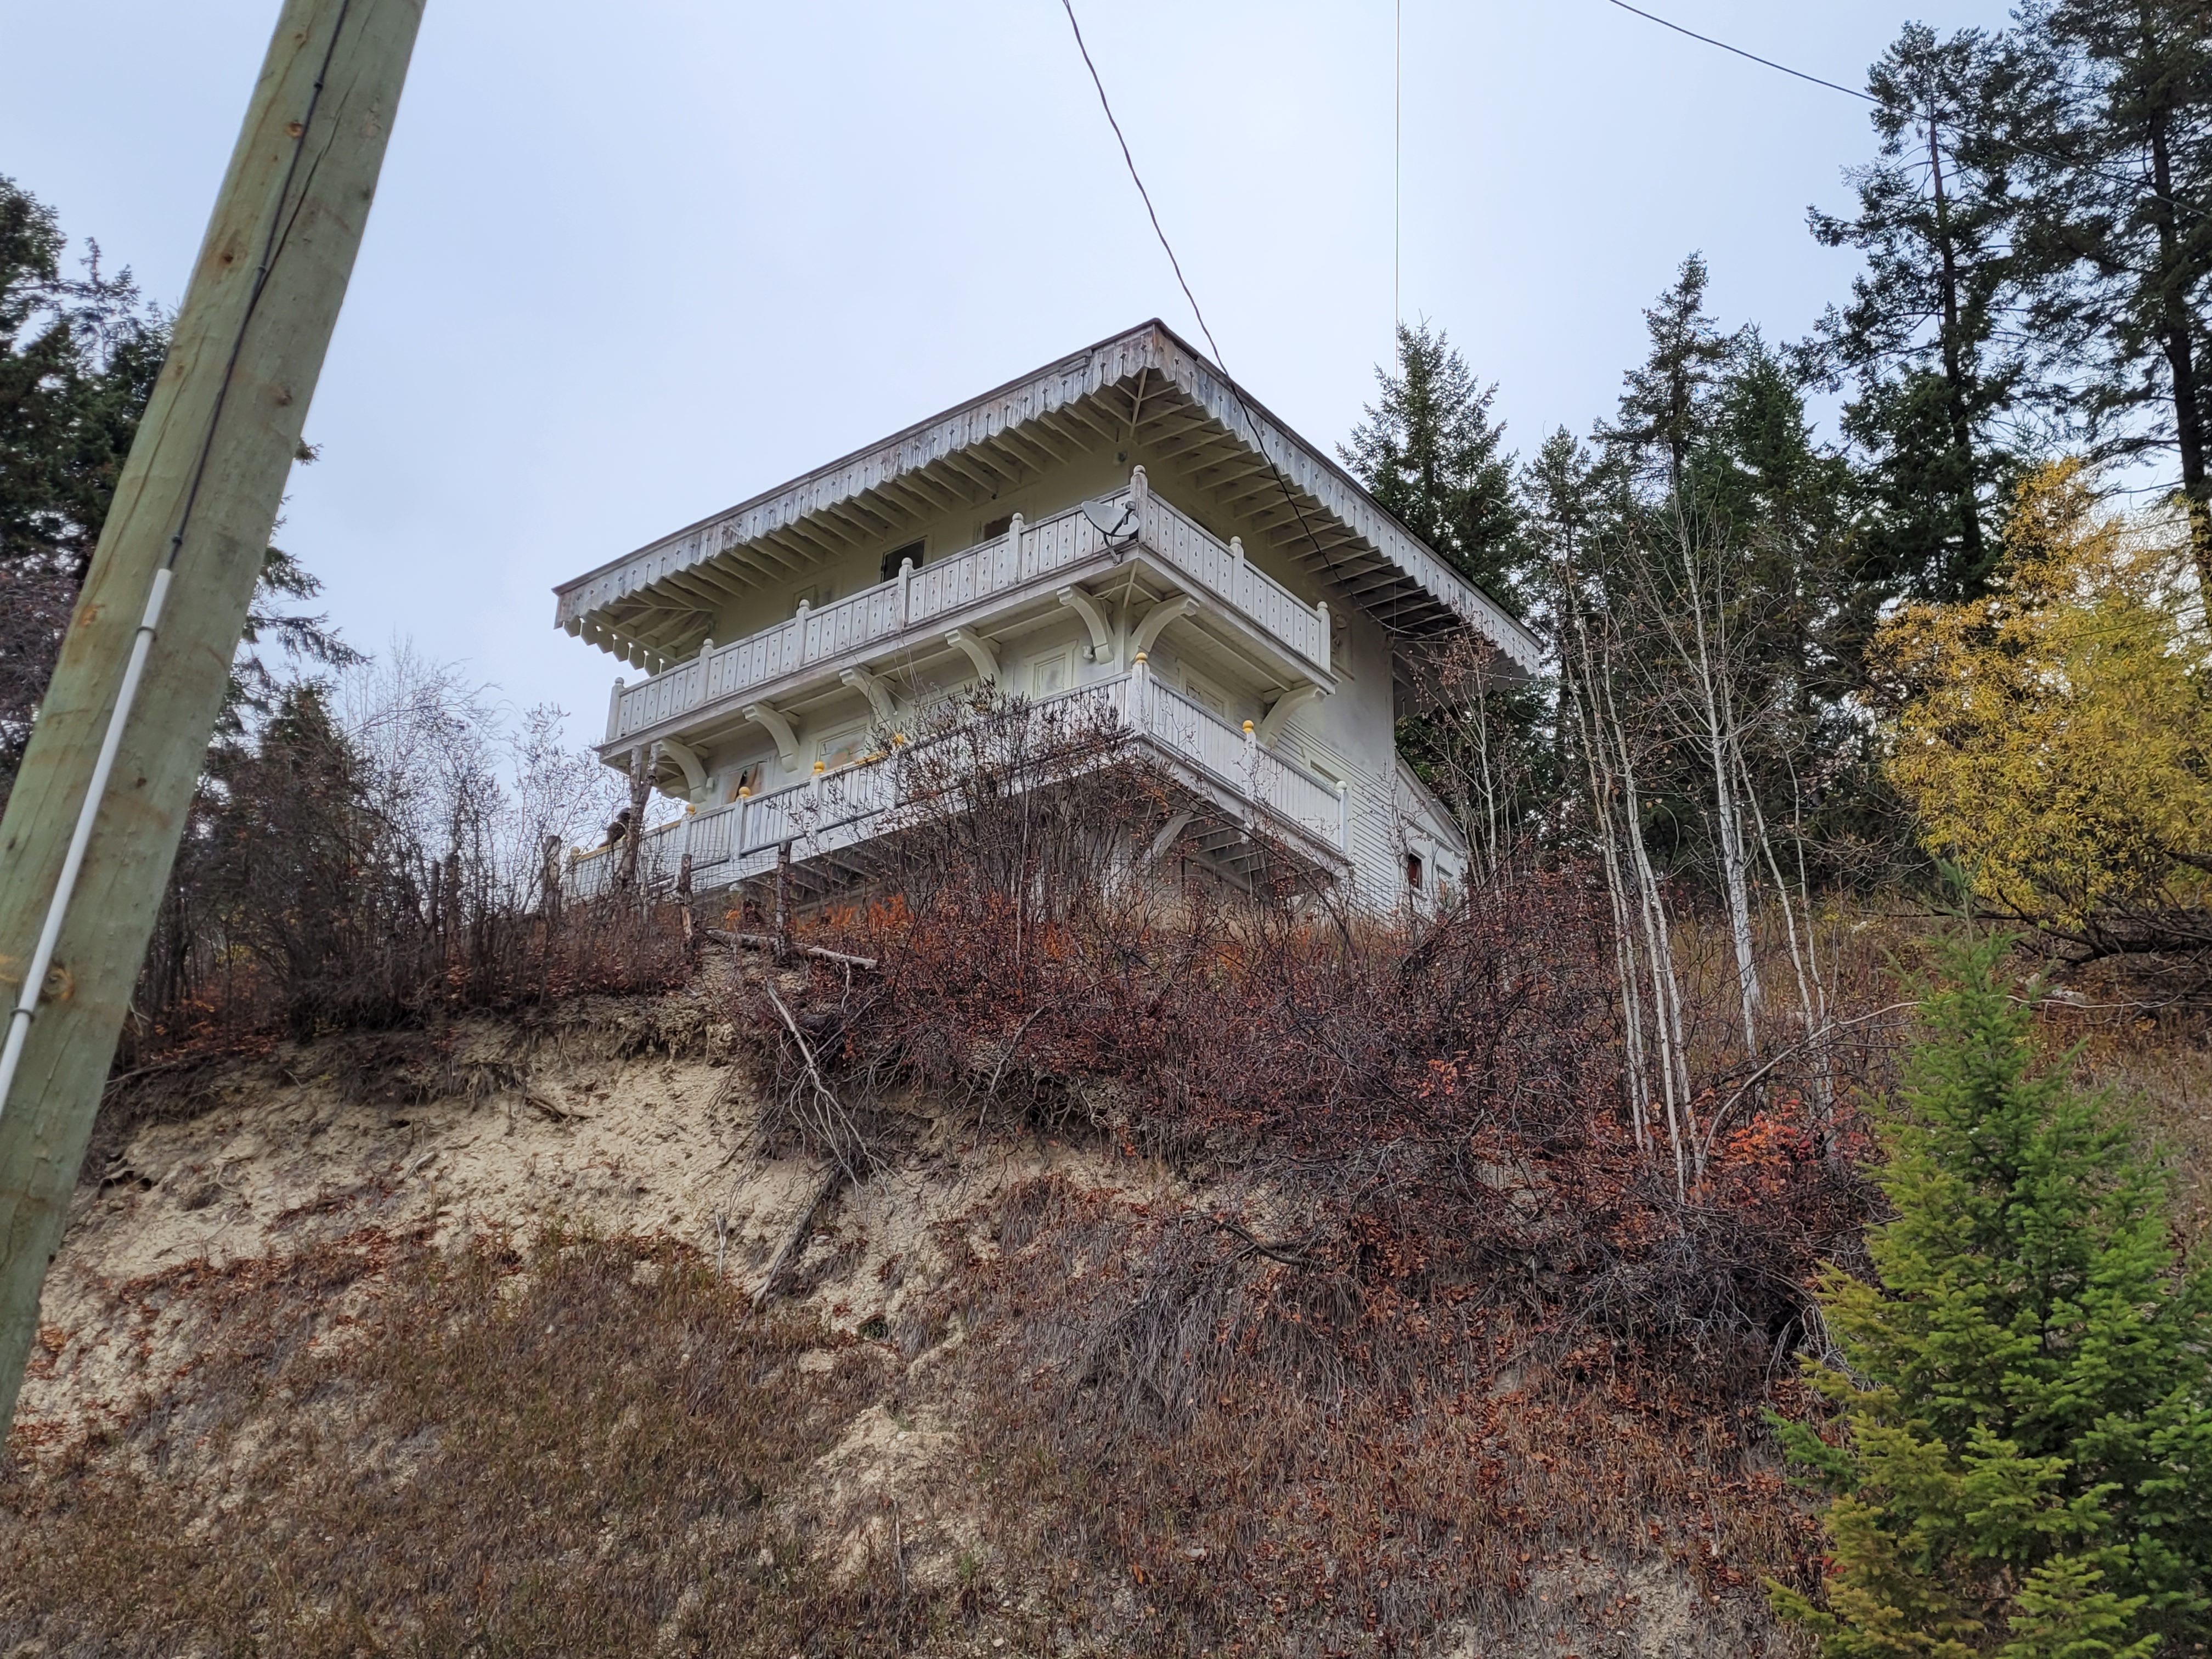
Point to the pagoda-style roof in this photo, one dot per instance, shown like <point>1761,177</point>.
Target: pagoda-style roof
<point>1205,441</point>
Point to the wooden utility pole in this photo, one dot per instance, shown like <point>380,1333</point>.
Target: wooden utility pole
<point>196,500</point>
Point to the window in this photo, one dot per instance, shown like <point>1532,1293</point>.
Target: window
<point>747,778</point>
<point>996,527</point>
<point>1048,675</point>
<point>1206,695</point>
<point>898,555</point>
<point>843,749</point>
<point>1413,871</point>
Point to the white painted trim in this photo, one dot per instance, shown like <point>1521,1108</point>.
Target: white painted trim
<point>980,652</point>
<point>877,692</point>
<point>779,726</point>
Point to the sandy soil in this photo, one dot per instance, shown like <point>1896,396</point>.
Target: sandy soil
<point>604,1120</point>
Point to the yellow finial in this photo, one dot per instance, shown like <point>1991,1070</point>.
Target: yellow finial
<point>820,766</point>
<point>1141,657</point>
<point>1247,726</point>
<point>745,792</point>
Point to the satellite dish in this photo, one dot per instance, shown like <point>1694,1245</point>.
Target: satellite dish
<point>1116,521</point>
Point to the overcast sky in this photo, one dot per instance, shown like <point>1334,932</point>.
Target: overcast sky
<point>632,263</point>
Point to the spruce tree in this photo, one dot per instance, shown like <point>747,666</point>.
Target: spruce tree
<point>1430,453</point>
<point>2025,1465</point>
<point>1664,403</point>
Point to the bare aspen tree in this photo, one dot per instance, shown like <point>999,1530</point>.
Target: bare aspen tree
<point>1685,602</point>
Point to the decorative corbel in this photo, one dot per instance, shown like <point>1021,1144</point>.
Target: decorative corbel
<point>1271,723</point>
<point>878,693</point>
<point>979,650</point>
<point>778,726</point>
<point>695,771</point>
<point>1094,616</point>
<point>1158,617</point>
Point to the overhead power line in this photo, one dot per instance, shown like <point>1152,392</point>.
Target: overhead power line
<point>1259,439</point>
<point>1649,17</point>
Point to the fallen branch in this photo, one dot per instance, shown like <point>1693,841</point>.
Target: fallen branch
<point>768,942</point>
<point>999,1071</point>
<point>800,1230</point>
<point>1713,1128</point>
<point>1282,1252</point>
<point>833,1118</point>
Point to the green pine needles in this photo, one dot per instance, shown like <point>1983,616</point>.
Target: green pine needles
<point>2026,1397</point>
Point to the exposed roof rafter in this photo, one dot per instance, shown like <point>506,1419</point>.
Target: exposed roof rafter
<point>1147,384</point>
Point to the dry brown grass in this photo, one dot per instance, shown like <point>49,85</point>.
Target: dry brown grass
<point>496,1456</point>
<point>1195,1456</point>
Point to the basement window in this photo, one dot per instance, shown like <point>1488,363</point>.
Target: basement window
<point>899,556</point>
<point>1413,871</point>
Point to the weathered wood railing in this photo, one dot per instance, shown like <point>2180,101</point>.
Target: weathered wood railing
<point>1026,557</point>
<point>834,809</point>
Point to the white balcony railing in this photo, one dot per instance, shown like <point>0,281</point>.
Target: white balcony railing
<point>856,803</point>
<point>1026,557</point>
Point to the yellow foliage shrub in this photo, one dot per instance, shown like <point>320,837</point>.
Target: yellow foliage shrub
<point>2056,738</point>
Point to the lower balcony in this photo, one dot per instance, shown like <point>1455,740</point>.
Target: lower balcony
<point>1227,798</point>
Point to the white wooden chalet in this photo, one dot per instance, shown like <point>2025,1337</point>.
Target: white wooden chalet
<point>1124,525</point>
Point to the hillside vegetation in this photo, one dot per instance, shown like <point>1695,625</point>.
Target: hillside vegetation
<point>1761,1209</point>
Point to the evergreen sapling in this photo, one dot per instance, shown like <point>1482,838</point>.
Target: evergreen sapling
<point>2025,1465</point>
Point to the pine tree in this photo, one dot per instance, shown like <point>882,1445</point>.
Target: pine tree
<point>1933,336</point>
<point>2115,146</point>
<point>1429,452</point>
<point>2026,1462</point>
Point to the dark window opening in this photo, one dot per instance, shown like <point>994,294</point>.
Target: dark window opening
<point>899,556</point>
<point>998,527</point>
<point>1413,871</point>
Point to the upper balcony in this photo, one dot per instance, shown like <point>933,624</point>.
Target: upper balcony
<point>958,605</point>
<point>1069,428</point>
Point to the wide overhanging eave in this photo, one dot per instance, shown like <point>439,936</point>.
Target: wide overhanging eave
<point>1145,390</point>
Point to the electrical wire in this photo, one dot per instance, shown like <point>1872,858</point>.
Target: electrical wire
<point>1259,441</point>
<point>2123,174</point>
<point>42,954</point>
<point>1651,17</point>
<point>280,232</point>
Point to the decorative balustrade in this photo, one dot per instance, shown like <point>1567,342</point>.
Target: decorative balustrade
<point>856,803</point>
<point>1028,556</point>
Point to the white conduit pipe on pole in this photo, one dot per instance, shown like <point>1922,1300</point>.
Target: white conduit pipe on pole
<point>42,957</point>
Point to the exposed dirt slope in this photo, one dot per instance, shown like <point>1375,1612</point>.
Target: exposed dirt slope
<point>442,1344</point>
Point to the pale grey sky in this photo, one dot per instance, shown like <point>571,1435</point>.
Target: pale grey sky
<point>631,263</point>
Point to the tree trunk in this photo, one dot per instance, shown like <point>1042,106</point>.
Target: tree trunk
<point>1954,380</point>
<point>2176,332</point>
<point>641,789</point>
